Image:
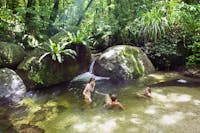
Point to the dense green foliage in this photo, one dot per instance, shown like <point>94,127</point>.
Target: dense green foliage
<point>171,27</point>
<point>56,50</point>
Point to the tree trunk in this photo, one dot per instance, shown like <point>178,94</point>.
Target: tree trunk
<point>29,17</point>
<point>81,17</point>
<point>50,29</point>
<point>54,13</point>
<point>108,4</point>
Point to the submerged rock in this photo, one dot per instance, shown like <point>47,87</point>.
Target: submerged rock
<point>11,85</point>
<point>10,54</point>
<point>123,62</point>
<point>30,129</point>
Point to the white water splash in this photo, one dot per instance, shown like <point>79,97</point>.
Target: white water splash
<point>86,76</point>
<point>92,66</point>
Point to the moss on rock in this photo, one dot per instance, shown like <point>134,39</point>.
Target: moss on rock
<point>123,62</point>
<point>10,54</point>
<point>48,72</point>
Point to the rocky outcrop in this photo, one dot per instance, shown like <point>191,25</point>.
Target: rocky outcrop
<point>193,72</point>
<point>11,85</point>
<point>48,72</point>
<point>10,54</point>
<point>123,62</point>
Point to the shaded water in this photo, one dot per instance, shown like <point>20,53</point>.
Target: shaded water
<point>175,107</point>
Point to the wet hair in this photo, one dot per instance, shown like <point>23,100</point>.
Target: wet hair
<point>149,89</point>
<point>113,97</point>
<point>91,79</point>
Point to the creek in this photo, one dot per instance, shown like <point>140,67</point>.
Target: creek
<point>174,108</point>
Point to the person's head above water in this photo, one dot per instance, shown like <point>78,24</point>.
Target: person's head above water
<point>91,79</point>
<point>113,97</point>
<point>148,89</point>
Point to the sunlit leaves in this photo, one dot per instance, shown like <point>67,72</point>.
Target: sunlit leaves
<point>32,41</point>
<point>153,24</point>
<point>57,51</point>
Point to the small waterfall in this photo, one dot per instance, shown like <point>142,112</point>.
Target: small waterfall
<point>84,77</point>
<point>92,66</point>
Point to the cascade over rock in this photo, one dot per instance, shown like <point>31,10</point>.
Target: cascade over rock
<point>123,62</point>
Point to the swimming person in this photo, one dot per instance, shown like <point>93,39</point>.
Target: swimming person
<point>111,100</point>
<point>89,88</point>
<point>147,92</point>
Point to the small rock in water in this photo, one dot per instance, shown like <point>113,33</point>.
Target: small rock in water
<point>182,81</point>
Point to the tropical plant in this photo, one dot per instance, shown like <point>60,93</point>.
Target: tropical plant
<point>194,58</point>
<point>57,51</point>
<point>153,24</point>
<point>175,45</point>
<point>76,38</point>
<point>169,51</point>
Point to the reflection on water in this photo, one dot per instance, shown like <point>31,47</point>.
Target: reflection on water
<point>171,119</point>
<point>172,109</point>
<point>151,110</point>
<point>172,97</point>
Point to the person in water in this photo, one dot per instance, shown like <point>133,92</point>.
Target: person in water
<point>147,92</point>
<point>89,88</point>
<point>111,100</point>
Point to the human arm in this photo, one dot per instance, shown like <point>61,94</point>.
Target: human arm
<point>120,105</point>
<point>104,94</point>
<point>85,90</point>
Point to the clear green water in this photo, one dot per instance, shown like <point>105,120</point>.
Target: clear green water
<point>175,108</point>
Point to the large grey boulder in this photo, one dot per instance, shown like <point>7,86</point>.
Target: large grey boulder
<point>123,62</point>
<point>10,54</point>
<point>11,85</point>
